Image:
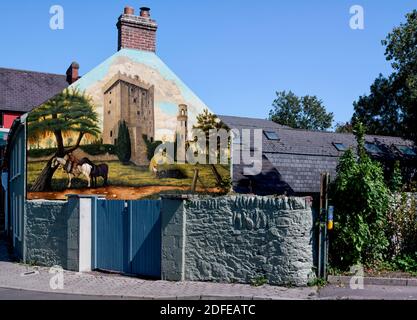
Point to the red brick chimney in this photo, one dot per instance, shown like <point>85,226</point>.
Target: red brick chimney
<point>137,32</point>
<point>72,72</point>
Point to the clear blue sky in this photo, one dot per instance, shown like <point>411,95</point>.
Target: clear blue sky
<point>234,54</point>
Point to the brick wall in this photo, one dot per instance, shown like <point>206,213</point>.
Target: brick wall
<point>136,32</point>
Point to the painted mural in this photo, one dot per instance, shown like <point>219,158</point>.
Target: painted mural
<point>99,136</point>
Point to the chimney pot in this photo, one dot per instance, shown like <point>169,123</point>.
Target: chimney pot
<point>129,10</point>
<point>144,12</point>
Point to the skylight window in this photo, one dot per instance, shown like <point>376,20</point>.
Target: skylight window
<point>340,146</point>
<point>372,148</point>
<point>408,151</point>
<point>271,135</point>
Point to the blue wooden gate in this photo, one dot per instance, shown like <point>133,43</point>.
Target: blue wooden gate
<point>127,236</point>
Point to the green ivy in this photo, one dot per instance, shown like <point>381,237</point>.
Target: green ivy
<point>361,200</point>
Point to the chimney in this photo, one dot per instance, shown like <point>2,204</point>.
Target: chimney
<point>72,72</point>
<point>137,32</point>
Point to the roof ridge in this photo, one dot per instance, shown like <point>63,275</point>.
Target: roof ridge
<point>284,127</point>
<point>31,71</point>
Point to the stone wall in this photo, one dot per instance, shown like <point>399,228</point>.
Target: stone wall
<point>237,239</point>
<point>52,233</point>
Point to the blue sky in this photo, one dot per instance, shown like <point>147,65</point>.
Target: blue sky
<point>234,54</point>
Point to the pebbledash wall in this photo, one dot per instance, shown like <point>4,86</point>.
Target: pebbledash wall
<point>238,239</point>
<point>223,239</point>
<point>59,233</point>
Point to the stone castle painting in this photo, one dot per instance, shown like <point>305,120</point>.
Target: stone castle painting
<point>99,135</point>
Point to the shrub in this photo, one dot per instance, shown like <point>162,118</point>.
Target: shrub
<point>98,149</point>
<point>402,225</point>
<point>39,153</point>
<point>361,200</point>
<point>123,147</point>
<point>150,146</point>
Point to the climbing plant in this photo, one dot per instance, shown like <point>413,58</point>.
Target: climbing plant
<point>361,199</point>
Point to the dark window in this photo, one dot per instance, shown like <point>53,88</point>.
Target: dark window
<point>372,148</point>
<point>109,101</point>
<point>135,100</point>
<point>108,112</point>
<point>271,135</point>
<point>111,133</point>
<point>340,146</point>
<point>406,150</point>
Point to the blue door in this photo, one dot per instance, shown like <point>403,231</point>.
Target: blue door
<point>128,237</point>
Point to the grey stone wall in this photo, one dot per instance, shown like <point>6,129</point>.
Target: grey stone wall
<point>238,239</point>
<point>52,233</point>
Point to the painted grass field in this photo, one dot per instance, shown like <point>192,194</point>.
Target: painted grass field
<point>132,176</point>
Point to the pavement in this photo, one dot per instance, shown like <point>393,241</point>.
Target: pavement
<point>22,279</point>
<point>369,292</point>
<point>19,281</point>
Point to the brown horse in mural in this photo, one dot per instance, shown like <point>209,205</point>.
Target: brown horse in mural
<point>100,170</point>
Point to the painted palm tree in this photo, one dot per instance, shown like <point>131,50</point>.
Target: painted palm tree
<point>70,112</point>
<point>207,121</point>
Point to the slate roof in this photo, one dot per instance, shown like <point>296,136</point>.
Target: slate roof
<point>305,142</point>
<point>21,90</point>
<point>299,156</point>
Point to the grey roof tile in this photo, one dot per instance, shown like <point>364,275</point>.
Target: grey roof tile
<point>21,90</point>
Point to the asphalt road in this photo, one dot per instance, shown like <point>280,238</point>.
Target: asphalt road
<point>369,292</point>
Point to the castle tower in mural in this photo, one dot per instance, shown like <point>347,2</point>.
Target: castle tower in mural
<point>131,100</point>
<point>182,119</point>
<point>181,131</point>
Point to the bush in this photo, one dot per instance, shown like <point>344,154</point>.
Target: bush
<point>361,200</point>
<point>39,153</point>
<point>402,225</point>
<point>98,149</point>
<point>150,146</point>
<point>123,147</point>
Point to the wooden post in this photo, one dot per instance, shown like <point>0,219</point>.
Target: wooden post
<point>325,234</point>
<point>322,256</point>
<point>319,254</point>
<point>194,183</point>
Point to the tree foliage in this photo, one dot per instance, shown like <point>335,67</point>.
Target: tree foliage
<point>361,200</point>
<point>123,144</point>
<point>344,127</point>
<point>69,112</point>
<point>390,108</point>
<point>307,112</point>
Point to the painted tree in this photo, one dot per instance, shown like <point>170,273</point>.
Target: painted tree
<point>123,146</point>
<point>69,112</point>
<point>207,121</point>
<point>307,112</point>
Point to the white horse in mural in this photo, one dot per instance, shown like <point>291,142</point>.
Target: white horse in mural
<point>72,169</point>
